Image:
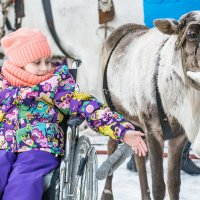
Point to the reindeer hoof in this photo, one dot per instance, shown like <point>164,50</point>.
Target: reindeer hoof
<point>107,195</point>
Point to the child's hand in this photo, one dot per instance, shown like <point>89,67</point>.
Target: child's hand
<point>134,139</point>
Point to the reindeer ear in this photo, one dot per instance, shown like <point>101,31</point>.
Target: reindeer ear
<point>166,26</point>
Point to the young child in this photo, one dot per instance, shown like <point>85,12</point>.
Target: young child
<point>34,97</point>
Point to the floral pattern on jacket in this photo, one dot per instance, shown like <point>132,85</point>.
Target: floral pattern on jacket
<point>30,116</point>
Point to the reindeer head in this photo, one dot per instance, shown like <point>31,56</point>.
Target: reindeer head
<point>187,31</point>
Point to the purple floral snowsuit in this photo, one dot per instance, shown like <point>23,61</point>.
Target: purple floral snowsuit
<point>30,118</point>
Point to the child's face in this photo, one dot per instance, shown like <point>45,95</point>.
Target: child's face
<point>39,67</point>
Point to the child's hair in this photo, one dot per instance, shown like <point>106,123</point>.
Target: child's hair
<point>24,46</point>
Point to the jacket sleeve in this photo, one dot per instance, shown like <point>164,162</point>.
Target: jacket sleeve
<point>99,117</point>
<point>8,97</point>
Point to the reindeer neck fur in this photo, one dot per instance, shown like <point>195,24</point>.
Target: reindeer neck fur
<point>138,63</point>
<point>185,107</point>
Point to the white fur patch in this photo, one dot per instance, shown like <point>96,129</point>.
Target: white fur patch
<point>106,191</point>
<point>194,76</point>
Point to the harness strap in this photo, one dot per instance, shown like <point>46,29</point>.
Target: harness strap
<point>50,22</point>
<point>105,81</point>
<point>166,128</point>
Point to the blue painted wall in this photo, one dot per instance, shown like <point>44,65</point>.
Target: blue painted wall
<point>154,9</point>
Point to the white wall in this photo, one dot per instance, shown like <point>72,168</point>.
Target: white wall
<point>76,23</point>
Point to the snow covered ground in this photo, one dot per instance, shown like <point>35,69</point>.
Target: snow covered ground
<point>126,183</point>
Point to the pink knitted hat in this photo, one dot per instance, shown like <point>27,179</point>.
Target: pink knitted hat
<point>24,46</point>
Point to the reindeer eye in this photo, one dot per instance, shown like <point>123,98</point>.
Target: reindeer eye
<point>193,32</point>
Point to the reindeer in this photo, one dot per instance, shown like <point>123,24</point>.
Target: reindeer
<point>153,73</point>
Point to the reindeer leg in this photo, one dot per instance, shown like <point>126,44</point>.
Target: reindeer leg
<point>155,146</point>
<point>107,192</point>
<point>155,149</point>
<point>175,148</point>
<point>141,168</point>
